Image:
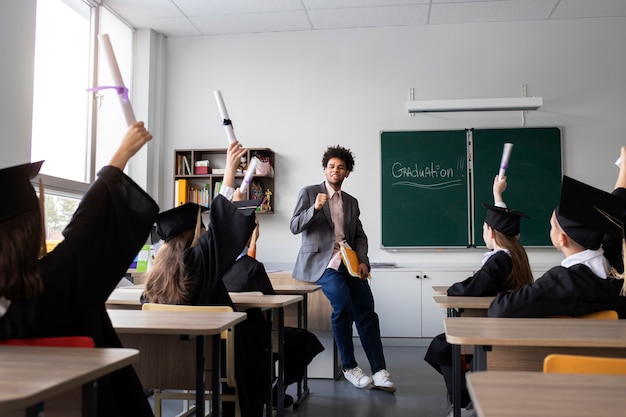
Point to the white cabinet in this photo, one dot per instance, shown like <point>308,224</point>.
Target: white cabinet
<point>404,300</point>
<point>397,295</point>
<point>432,316</point>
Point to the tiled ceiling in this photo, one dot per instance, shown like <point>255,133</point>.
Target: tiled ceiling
<point>175,18</point>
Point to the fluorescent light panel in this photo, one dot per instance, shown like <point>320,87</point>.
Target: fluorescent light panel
<point>478,104</point>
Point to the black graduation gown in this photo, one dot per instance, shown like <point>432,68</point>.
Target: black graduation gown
<point>206,263</point>
<point>301,346</point>
<point>488,280</point>
<point>107,230</point>
<point>573,291</point>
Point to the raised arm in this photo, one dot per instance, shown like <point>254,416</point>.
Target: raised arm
<point>621,177</point>
<point>499,186</point>
<point>233,154</point>
<point>136,136</point>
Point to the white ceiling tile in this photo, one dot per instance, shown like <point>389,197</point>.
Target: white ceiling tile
<point>173,27</point>
<point>369,17</point>
<point>252,23</point>
<point>571,9</point>
<point>491,11</point>
<point>340,4</point>
<point>220,7</point>
<point>144,9</point>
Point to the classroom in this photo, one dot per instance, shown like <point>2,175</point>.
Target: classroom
<point>298,90</point>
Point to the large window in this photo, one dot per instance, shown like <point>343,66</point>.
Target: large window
<point>75,131</point>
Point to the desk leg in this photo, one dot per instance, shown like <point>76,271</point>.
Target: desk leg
<point>303,386</point>
<point>280,407</point>
<point>479,363</point>
<point>268,400</point>
<point>457,374</point>
<point>90,399</point>
<point>200,383</point>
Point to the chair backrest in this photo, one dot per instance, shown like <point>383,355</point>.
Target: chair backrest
<point>574,364</point>
<point>598,315</point>
<point>62,341</point>
<point>228,335</point>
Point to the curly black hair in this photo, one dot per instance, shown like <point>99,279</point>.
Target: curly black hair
<point>340,152</point>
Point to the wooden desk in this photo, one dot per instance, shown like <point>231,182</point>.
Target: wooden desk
<point>192,323</point>
<point>440,289</point>
<point>304,290</point>
<point>531,394</point>
<point>30,375</point>
<point>464,306</point>
<point>522,344</point>
<point>125,298</point>
<point>278,303</point>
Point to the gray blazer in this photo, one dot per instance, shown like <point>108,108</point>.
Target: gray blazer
<point>318,233</point>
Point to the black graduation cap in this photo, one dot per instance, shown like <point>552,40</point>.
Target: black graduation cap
<point>17,192</point>
<point>504,220</point>
<point>180,219</point>
<point>586,213</point>
<point>248,207</point>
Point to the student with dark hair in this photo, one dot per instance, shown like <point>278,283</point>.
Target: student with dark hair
<point>505,266</point>
<point>64,292</point>
<point>327,217</point>
<point>301,346</point>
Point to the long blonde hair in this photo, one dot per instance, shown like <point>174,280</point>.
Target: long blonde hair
<point>520,273</point>
<point>166,282</point>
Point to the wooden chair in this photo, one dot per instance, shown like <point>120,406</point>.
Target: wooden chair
<point>575,364</point>
<point>598,315</point>
<point>229,378</point>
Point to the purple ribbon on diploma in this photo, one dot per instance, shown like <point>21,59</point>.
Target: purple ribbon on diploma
<point>121,90</point>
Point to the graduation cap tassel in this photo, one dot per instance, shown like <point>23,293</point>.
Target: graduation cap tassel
<point>43,251</point>
<point>198,229</point>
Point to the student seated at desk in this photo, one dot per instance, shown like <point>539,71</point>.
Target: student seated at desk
<point>188,269</point>
<point>63,293</point>
<point>301,346</point>
<point>582,284</point>
<point>504,267</point>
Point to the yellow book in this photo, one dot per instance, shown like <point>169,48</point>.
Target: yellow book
<point>351,261</point>
<point>181,197</point>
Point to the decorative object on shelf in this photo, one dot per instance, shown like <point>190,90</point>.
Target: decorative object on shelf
<point>267,204</point>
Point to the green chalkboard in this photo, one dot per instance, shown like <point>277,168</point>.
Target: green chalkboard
<point>533,177</point>
<point>435,182</point>
<point>424,188</point>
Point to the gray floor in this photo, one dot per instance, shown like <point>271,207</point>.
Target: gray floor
<point>420,393</point>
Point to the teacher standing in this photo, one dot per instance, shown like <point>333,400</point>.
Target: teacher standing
<point>328,218</point>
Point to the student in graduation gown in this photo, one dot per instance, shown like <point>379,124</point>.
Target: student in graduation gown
<point>582,283</point>
<point>505,266</point>
<point>612,243</point>
<point>64,292</point>
<point>301,346</point>
<point>188,269</point>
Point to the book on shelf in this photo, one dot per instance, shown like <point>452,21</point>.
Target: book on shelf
<point>186,166</point>
<point>351,261</point>
<point>180,191</point>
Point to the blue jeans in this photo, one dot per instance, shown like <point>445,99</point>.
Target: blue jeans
<point>352,301</point>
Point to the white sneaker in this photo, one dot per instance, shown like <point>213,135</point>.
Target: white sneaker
<point>357,377</point>
<point>382,381</point>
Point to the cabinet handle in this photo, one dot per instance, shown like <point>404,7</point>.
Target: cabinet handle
<point>426,276</point>
<point>418,276</point>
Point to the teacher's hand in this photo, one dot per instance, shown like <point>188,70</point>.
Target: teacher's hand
<point>320,200</point>
<point>363,271</point>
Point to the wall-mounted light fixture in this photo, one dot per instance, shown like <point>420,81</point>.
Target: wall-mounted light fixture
<point>478,104</point>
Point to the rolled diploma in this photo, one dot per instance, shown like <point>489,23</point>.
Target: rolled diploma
<point>247,179</point>
<point>105,42</point>
<point>228,126</point>
<point>504,163</point>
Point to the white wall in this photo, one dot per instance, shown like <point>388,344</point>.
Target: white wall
<point>299,92</point>
<point>17,40</point>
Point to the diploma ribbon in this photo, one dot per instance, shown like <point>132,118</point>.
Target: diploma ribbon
<point>121,90</point>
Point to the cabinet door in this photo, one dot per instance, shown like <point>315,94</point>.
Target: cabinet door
<point>432,316</point>
<point>397,301</point>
